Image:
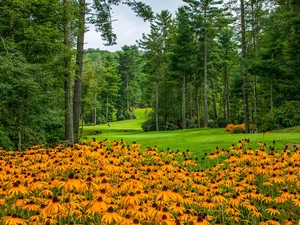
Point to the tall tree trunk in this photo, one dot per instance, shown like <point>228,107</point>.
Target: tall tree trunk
<point>191,101</point>
<point>11,22</point>
<point>214,100</point>
<point>127,92</point>
<point>69,134</point>
<point>18,126</point>
<point>197,103</point>
<point>244,65</point>
<point>205,74</point>
<point>156,105</point>
<point>19,138</point>
<point>95,112</point>
<point>254,53</point>
<point>107,109</point>
<point>226,93</point>
<point>271,96</point>
<point>78,72</point>
<point>183,108</point>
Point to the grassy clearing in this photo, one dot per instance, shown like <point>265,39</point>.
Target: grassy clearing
<point>198,140</point>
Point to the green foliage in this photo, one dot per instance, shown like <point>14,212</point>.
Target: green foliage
<point>190,123</point>
<point>129,68</point>
<point>268,122</point>
<point>26,107</point>
<point>286,115</point>
<point>5,139</point>
<point>149,125</point>
<point>129,114</point>
<point>221,122</point>
<point>31,86</point>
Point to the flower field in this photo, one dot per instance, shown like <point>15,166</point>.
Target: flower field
<point>102,182</point>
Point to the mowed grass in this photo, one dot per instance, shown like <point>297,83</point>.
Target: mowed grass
<point>199,140</point>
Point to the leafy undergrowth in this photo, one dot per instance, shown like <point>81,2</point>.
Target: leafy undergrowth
<point>114,183</point>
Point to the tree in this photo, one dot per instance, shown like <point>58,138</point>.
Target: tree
<point>69,132</point>
<point>31,52</point>
<point>155,46</point>
<point>244,66</point>
<point>102,19</point>
<point>129,69</point>
<point>182,57</point>
<point>207,16</point>
<point>79,65</point>
<point>110,85</point>
<point>226,46</point>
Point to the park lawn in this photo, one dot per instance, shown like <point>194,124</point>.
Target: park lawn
<point>198,140</point>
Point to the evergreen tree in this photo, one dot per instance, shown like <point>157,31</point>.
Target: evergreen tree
<point>31,89</point>
<point>227,49</point>
<point>110,85</point>
<point>182,56</point>
<point>156,55</point>
<point>207,16</point>
<point>130,71</point>
<point>102,19</point>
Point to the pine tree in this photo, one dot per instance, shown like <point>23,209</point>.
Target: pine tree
<point>154,45</point>
<point>182,56</point>
<point>206,16</point>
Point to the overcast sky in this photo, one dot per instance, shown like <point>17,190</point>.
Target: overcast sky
<point>128,27</point>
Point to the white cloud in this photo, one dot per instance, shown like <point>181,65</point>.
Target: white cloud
<point>128,27</point>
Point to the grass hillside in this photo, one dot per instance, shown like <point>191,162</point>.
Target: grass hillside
<point>198,140</point>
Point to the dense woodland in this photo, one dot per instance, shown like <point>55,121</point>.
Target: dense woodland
<point>209,64</point>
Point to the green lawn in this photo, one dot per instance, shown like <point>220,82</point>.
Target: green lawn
<point>198,140</point>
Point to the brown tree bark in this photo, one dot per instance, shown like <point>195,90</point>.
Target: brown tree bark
<point>78,72</point>
<point>205,116</point>
<point>244,65</point>
<point>183,108</point>
<point>69,135</point>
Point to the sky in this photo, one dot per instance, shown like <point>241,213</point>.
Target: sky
<point>128,27</point>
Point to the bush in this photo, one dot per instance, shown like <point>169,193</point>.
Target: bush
<point>268,122</point>
<point>149,125</point>
<point>286,115</point>
<point>129,115</point>
<point>239,128</point>
<point>190,123</point>
<point>212,124</point>
<point>170,126</point>
<point>221,122</point>
<point>121,117</point>
<point>5,141</point>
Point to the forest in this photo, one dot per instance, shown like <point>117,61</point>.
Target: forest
<point>210,64</point>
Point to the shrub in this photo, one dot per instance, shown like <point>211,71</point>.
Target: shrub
<point>149,125</point>
<point>229,127</point>
<point>170,126</point>
<point>190,123</point>
<point>5,141</point>
<point>239,128</point>
<point>221,122</point>
<point>129,115</point>
<point>121,117</point>
<point>268,122</point>
<point>212,123</point>
<point>286,115</point>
